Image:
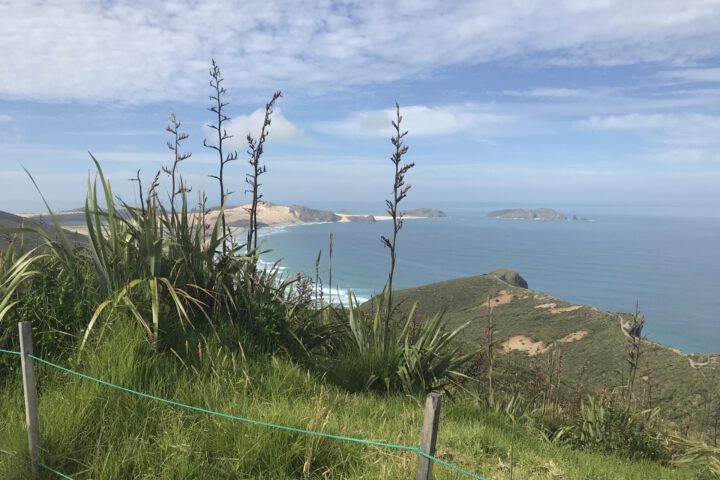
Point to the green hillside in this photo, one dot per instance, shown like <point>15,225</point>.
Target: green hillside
<point>592,343</point>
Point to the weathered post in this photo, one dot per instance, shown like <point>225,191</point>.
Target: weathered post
<point>429,436</point>
<point>29,388</point>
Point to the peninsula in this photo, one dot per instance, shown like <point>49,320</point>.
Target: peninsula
<point>237,217</point>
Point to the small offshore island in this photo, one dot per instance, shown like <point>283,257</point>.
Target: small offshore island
<point>532,214</point>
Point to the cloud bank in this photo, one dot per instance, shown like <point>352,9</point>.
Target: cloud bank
<point>422,121</point>
<point>136,51</point>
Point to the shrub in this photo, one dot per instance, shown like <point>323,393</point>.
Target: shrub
<point>167,270</point>
<point>625,432</point>
<point>419,357</point>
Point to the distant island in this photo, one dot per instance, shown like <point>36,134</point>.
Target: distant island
<point>532,214</point>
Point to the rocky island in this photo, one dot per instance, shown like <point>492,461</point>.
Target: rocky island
<point>531,214</point>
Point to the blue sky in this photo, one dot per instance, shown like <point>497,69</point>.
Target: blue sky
<point>540,103</point>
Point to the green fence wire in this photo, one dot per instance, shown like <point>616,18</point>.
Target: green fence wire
<point>59,474</point>
<point>246,420</point>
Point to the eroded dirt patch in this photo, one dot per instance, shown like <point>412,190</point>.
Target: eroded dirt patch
<point>503,298</point>
<point>522,343</point>
<point>574,336</point>
<point>553,308</point>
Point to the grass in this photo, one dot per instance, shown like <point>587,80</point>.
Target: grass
<point>90,431</point>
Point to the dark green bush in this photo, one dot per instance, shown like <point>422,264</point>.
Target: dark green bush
<point>625,432</point>
<point>411,357</point>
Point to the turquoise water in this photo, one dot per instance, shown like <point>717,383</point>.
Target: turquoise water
<point>670,264</point>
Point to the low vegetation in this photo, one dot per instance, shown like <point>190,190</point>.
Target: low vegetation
<point>90,431</point>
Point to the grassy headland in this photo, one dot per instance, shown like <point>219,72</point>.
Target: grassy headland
<point>531,325</point>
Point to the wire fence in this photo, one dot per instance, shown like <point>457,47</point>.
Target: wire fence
<point>241,419</point>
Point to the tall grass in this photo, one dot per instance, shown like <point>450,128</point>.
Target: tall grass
<point>90,431</point>
<point>625,432</point>
<point>411,358</point>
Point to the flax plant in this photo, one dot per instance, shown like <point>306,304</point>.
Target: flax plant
<point>634,351</point>
<point>400,191</point>
<point>218,108</point>
<point>256,148</point>
<point>14,271</point>
<point>178,137</point>
<point>148,265</point>
<point>409,360</point>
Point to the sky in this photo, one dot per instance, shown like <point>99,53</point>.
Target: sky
<point>517,102</point>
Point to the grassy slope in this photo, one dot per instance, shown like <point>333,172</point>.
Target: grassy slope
<point>89,431</point>
<point>677,386</point>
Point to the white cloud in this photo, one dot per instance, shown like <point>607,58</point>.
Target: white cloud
<point>281,129</point>
<point>134,51</point>
<point>5,118</point>
<point>422,121</point>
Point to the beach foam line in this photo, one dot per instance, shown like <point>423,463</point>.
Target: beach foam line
<point>340,295</point>
<point>264,264</point>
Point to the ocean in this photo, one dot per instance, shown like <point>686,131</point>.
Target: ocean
<point>668,263</point>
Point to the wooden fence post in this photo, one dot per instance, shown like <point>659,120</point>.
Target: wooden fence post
<point>29,388</point>
<point>429,436</point>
